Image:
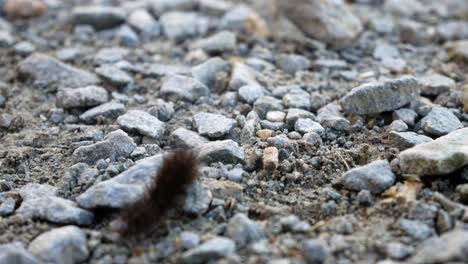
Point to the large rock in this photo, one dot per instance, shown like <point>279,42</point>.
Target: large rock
<point>130,185</point>
<point>63,245</point>
<point>451,246</point>
<point>40,202</point>
<point>375,177</point>
<point>441,156</point>
<point>123,189</point>
<point>15,253</point>
<point>329,21</point>
<point>47,71</point>
<point>382,96</point>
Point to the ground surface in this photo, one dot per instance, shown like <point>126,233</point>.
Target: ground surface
<point>300,209</point>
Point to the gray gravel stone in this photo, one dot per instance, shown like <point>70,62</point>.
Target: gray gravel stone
<point>330,116</point>
<point>198,200</point>
<point>117,144</point>
<point>176,87</point>
<point>312,138</point>
<point>294,114</point>
<point>213,125</point>
<point>398,126</point>
<point>68,54</point>
<point>107,110</point>
<point>47,71</point>
<point>179,25</point>
<point>114,75</point>
<point>123,189</point>
<point>378,97</point>
<point>40,202</point>
<point>415,33</point>
<point>329,21</point>
<point>416,229</point>
<point>243,75</point>
<point>250,93</point>
<point>440,121</point>
<point>223,41</point>
<point>64,245</point>
<point>439,157</point>
<point>399,251</point>
<point>6,39</point>
<point>406,140</point>
<point>110,55</point>
<point>315,251</point>
<point>189,239</point>
<point>236,18</point>
<point>24,48</point>
<point>450,246</point>
<point>15,253</point>
<point>384,50</point>
<point>406,115</point>
<point>208,71</point>
<point>306,125</point>
<point>452,30</point>
<point>435,84</point>
<point>210,250</point>
<point>243,230</point>
<point>330,64</point>
<point>143,123</point>
<point>141,20</point>
<point>226,151</point>
<point>458,49</point>
<point>182,137</point>
<point>364,197</point>
<point>292,63</point>
<point>127,37</point>
<point>266,104</point>
<point>99,17</point>
<point>294,224</point>
<point>8,203</point>
<point>376,177</point>
<point>297,100</point>
<point>161,6</point>
<point>81,97</point>
<point>162,110</point>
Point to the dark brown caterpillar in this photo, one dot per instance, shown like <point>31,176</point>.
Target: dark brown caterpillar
<point>167,190</point>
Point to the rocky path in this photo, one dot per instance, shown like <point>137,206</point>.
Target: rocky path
<point>328,131</point>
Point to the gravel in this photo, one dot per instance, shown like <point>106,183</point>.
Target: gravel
<point>440,121</point>
<point>45,71</point>
<point>326,131</point>
<point>378,97</point>
<point>376,177</point>
<point>65,245</point>
<point>213,125</point>
<point>143,122</point>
